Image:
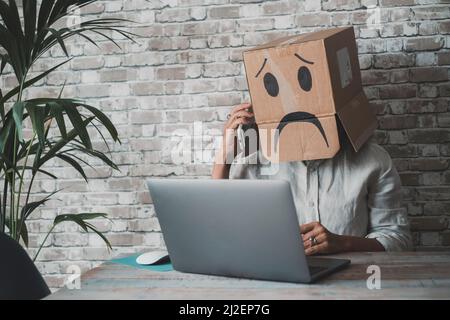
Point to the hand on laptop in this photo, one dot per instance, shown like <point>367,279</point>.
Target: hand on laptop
<point>325,241</point>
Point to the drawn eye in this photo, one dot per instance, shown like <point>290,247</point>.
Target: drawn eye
<point>271,84</point>
<point>304,78</point>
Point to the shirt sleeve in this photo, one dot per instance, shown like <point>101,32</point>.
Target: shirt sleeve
<point>388,221</point>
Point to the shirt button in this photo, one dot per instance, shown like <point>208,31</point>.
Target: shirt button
<point>311,203</point>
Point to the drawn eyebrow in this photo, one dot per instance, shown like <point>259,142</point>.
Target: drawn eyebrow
<point>262,67</point>
<point>303,59</point>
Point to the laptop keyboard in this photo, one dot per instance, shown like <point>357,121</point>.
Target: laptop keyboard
<point>316,269</point>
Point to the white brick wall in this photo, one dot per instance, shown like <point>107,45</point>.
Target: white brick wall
<point>187,67</point>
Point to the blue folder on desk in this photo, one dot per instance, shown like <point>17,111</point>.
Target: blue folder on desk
<point>131,261</point>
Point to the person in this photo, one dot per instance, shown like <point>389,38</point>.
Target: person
<point>351,202</point>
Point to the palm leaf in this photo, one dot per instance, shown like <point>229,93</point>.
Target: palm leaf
<point>10,16</point>
<point>95,154</point>
<point>61,143</point>
<point>78,124</point>
<point>38,115</point>
<point>31,206</point>
<point>73,163</point>
<point>18,117</point>
<point>57,34</point>
<point>57,113</point>
<point>2,107</point>
<point>29,13</point>
<point>51,175</point>
<point>3,61</point>
<point>44,13</point>
<point>104,120</point>
<point>80,220</point>
<point>5,133</point>
<point>30,82</point>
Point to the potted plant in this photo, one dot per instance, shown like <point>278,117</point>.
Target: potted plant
<point>58,127</point>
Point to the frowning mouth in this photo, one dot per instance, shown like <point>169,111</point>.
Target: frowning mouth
<point>299,116</point>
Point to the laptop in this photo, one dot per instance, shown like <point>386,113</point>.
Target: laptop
<point>235,228</point>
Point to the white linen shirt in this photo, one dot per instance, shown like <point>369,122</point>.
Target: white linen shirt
<point>353,193</point>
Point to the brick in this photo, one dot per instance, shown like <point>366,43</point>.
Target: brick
<point>278,8</point>
<point>175,73</point>
<point>428,29</point>
<point>444,27</point>
<point>444,90</point>
<point>199,28</point>
<point>87,63</point>
<point>428,164</point>
<point>400,91</point>
<point>425,59</point>
<point>221,69</point>
<point>221,41</point>
<point>429,150</point>
<point>410,179</point>
<point>445,238</point>
<point>255,24</point>
<point>426,106</point>
<point>365,61</point>
<point>198,13</point>
<point>312,5</point>
<point>341,5</point>
<point>397,3</point>
<point>430,238</point>
<point>399,151</point>
<point>431,74</point>
<point>393,60</point>
<point>428,91</point>
<point>433,193</point>
<point>93,91</point>
<point>397,137</point>
<point>398,122</point>
<point>400,14</point>
<point>399,29</point>
<point>429,136</point>
<point>340,18</point>
<point>144,117</point>
<point>421,44</point>
<point>443,58</point>
<point>437,208</point>
<point>427,121</point>
<point>224,12</point>
<point>173,43</point>
<point>115,75</point>
<point>372,77</point>
<point>430,13</point>
<point>444,121</point>
<point>399,76</point>
<point>147,88</point>
<point>428,223</point>
<point>313,20</point>
<point>173,15</point>
<point>371,45</point>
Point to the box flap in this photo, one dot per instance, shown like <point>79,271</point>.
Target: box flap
<point>358,120</point>
<point>295,39</point>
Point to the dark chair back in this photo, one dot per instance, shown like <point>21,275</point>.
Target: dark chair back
<point>19,277</point>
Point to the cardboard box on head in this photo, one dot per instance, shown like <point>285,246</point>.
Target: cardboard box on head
<point>300,87</point>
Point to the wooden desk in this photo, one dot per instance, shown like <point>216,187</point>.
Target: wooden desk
<point>408,275</point>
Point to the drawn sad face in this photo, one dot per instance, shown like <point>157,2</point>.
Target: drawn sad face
<point>301,94</point>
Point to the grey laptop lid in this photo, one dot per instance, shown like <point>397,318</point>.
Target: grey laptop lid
<point>239,228</point>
